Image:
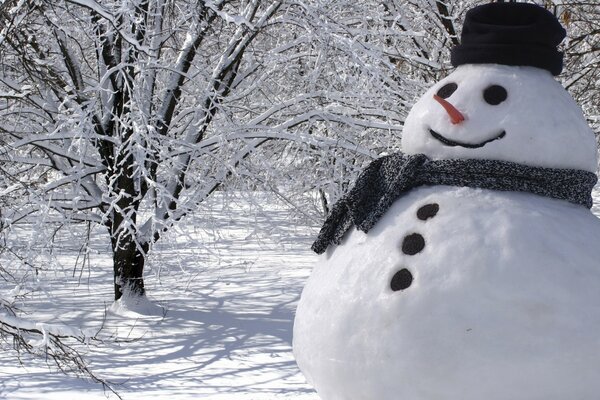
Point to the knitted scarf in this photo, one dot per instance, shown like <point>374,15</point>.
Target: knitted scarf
<point>392,176</point>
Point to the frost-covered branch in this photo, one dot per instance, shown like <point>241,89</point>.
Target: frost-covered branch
<point>51,342</point>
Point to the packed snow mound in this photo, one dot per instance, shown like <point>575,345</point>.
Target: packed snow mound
<point>135,307</point>
<point>495,297</point>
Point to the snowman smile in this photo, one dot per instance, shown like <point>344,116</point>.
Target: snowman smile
<point>454,143</point>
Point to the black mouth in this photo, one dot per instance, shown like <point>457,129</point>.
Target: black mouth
<point>452,143</point>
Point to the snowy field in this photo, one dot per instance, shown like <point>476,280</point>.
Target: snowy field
<point>228,282</point>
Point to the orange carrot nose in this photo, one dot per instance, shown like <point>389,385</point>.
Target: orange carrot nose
<point>455,116</point>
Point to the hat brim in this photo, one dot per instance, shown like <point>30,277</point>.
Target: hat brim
<point>508,54</point>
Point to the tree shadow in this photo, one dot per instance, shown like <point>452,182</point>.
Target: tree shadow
<point>217,345</point>
<point>229,283</point>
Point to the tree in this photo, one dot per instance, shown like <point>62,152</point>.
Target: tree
<point>108,112</point>
<point>129,114</point>
<point>581,75</point>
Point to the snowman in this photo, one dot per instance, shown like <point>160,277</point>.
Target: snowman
<point>468,266</point>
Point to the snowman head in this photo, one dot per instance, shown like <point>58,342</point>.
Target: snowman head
<point>502,102</point>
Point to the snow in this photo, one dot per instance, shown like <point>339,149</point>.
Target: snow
<point>223,290</point>
<point>228,281</point>
<point>58,330</point>
<point>505,290</point>
<point>136,307</point>
<point>543,124</point>
<point>223,287</point>
<point>502,298</point>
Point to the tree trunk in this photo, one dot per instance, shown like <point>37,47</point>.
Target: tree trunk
<point>128,266</point>
<point>324,202</point>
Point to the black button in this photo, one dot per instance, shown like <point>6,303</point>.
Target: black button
<point>412,244</point>
<point>401,280</point>
<point>428,211</point>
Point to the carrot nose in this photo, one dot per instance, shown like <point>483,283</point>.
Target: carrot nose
<point>455,116</point>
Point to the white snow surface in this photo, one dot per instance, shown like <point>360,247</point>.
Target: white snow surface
<point>542,123</point>
<point>503,300</point>
<point>228,282</point>
<point>505,303</point>
<point>218,326</point>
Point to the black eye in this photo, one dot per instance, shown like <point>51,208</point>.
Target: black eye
<point>495,94</point>
<point>401,280</point>
<point>447,90</point>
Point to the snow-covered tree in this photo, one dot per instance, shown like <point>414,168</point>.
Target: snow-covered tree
<point>582,54</point>
<point>98,110</point>
<point>130,113</point>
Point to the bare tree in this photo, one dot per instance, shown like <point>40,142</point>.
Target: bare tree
<point>582,54</point>
<point>129,114</point>
<point>109,112</point>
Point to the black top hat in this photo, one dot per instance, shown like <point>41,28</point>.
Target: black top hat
<point>510,34</point>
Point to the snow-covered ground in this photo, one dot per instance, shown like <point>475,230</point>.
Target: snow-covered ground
<point>228,280</point>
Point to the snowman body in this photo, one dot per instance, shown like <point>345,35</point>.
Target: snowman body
<point>462,293</point>
<point>503,303</point>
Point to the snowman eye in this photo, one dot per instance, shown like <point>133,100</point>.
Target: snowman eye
<point>447,90</point>
<point>495,95</point>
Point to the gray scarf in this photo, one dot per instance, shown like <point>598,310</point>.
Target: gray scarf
<point>392,176</point>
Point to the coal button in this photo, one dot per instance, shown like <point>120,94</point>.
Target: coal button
<point>401,280</point>
<point>428,211</point>
<point>412,244</point>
